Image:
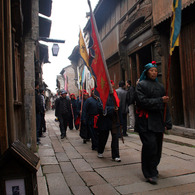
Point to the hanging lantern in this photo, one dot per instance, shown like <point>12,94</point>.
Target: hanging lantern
<point>55,49</point>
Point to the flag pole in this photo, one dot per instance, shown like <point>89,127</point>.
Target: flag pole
<point>81,108</point>
<point>100,46</point>
<point>167,85</point>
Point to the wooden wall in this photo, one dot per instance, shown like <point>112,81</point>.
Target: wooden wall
<point>115,74</point>
<point>162,9</point>
<point>3,119</point>
<point>187,60</point>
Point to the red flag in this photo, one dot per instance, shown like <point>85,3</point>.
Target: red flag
<point>97,63</point>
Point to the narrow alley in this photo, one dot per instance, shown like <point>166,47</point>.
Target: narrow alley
<point>70,167</point>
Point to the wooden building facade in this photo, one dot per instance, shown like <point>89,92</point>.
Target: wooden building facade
<point>128,40</point>
<point>135,32</point>
<point>182,75</point>
<point>19,54</point>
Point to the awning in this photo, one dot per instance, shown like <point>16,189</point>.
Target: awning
<point>44,27</point>
<point>162,10</point>
<point>45,7</point>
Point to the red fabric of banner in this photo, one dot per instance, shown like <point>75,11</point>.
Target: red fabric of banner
<point>98,68</point>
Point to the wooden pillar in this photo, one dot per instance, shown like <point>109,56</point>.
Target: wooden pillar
<point>3,119</point>
<point>130,68</point>
<point>137,65</point>
<point>9,73</point>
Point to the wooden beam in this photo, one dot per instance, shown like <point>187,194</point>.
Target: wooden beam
<point>137,65</point>
<point>3,119</point>
<point>9,74</point>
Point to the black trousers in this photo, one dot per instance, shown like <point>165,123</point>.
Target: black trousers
<point>124,117</point>
<point>84,131</point>
<point>43,123</point>
<point>71,122</point>
<point>103,137</point>
<point>63,119</point>
<point>151,152</point>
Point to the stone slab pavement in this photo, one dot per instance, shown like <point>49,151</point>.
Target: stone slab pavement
<point>70,167</point>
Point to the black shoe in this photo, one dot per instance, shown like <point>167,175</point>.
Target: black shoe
<point>63,136</point>
<point>84,141</point>
<point>38,142</point>
<point>152,180</point>
<point>95,149</point>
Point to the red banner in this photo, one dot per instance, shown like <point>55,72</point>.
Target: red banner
<point>98,67</point>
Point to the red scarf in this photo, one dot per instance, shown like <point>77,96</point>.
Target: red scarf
<point>116,98</point>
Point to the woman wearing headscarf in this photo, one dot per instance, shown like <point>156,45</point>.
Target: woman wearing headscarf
<point>150,123</point>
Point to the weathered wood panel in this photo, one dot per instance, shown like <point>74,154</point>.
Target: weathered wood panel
<point>123,7</point>
<point>162,9</point>
<point>187,58</point>
<point>3,120</point>
<point>131,3</point>
<point>115,72</point>
<point>9,74</point>
<point>110,43</point>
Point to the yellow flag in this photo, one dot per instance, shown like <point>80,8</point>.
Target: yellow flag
<point>83,50</point>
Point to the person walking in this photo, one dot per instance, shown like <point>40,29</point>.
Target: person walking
<point>74,109</point>
<point>38,104</point>
<point>109,120</point>
<point>122,95</point>
<point>43,123</point>
<point>90,110</point>
<point>150,123</point>
<point>84,130</point>
<point>62,112</point>
<point>131,103</point>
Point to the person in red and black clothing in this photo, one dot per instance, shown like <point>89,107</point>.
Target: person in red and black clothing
<point>110,120</point>
<point>90,110</point>
<point>73,116</point>
<point>84,130</point>
<point>150,123</point>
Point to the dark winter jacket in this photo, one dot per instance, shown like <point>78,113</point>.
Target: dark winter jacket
<point>38,102</point>
<point>131,95</point>
<point>90,109</point>
<point>63,107</point>
<point>122,95</point>
<point>74,107</point>
<point>150,107</point>
<point>110,119</point>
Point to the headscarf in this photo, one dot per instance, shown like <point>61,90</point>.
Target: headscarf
<point>146,68</point>
<point>72,94</point>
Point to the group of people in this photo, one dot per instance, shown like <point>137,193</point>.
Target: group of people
<point>145,104</point>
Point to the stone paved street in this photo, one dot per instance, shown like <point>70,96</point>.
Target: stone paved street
<point>70,167</point>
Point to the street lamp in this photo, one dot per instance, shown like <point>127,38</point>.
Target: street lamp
<point>55,49</point>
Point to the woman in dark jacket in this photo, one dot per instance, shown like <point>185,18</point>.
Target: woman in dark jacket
<point>150,124</point>
<point>110,120</point>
